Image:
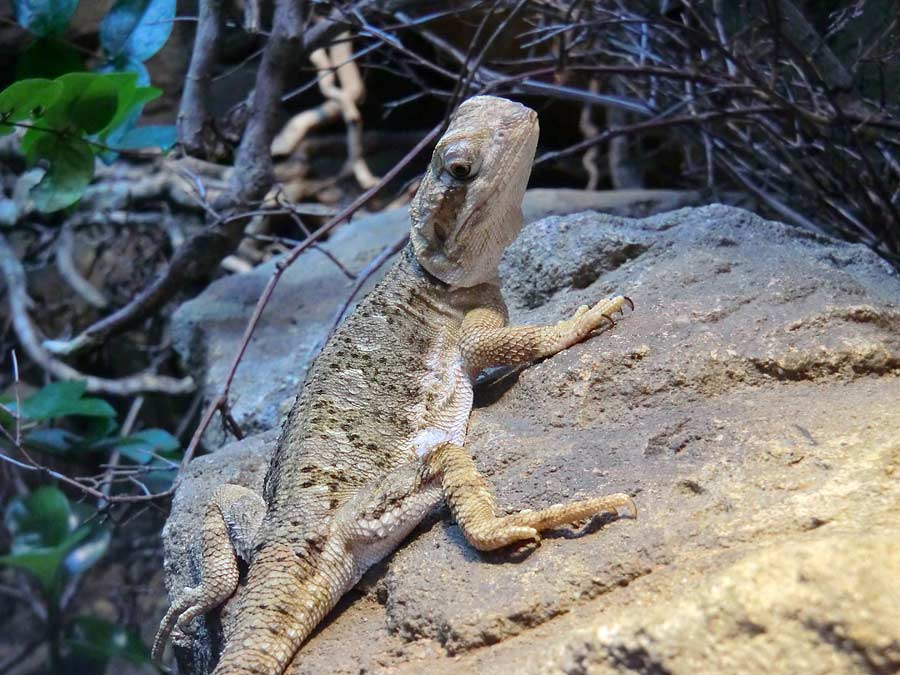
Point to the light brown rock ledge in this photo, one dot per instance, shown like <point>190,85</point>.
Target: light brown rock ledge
<point>751,405</point>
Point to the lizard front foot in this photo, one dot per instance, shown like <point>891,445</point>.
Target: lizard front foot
<point>587,319</point>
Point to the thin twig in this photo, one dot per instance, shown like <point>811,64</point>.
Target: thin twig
<point>17,296</point>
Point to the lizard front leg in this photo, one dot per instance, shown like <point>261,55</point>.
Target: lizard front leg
<point>475,509</point>
<point>232,519</point>
<point>485,340</point>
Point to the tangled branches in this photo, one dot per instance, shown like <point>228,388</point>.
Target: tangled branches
<point>756,98</point>
<point>745,95</point>
<point>800,109</point>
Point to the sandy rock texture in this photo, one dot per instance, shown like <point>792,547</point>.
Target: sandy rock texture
<point>750,404</point>
<point>207,330</point>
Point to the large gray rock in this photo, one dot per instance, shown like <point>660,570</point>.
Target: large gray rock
<point>207,330</point>
<point>750,405</point>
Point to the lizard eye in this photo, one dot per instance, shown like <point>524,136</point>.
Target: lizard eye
<point>460,162</point>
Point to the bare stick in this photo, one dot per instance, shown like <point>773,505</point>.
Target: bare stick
<point>17,295</point>
<point>195,131</point>
<point>65,265</point>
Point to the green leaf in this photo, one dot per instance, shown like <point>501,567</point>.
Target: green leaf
<point>141,446</point>
<point>45,564</point>
<point>150,136</point>
<point>26,98</point>
<point>44,17</point>
<point>59,399</point>
<point>100,427</point>
<point>7,420</point>
<point>54,441</point>
<point>137,29</point>
<point>48,57</point>
<point>43,519</point>
<point>126,65</point>
<point>125,119</point>
<point>70,172</point>
<point>88,550</point>
<point>96,105</point>
<point>131,103</point>
<point>90,101</point>
<point>46,542</point>
<point>42,564</point>
<point>99,639</point>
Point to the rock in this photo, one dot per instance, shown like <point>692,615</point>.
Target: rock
<point>750,405</point>
<point>207,330</point>
<point>823,603</point>
<point>542,202</point>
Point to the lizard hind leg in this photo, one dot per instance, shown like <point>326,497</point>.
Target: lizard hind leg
<point>475,509</point>
<point>229,527</point>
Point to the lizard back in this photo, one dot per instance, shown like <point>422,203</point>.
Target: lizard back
<point>381,388</point>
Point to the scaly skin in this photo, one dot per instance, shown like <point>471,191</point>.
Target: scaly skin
<point>376,437</point>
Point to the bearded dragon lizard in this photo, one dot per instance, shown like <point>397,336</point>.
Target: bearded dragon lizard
<point>376,437</point>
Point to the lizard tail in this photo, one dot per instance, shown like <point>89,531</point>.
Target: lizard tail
<point>285,599</point>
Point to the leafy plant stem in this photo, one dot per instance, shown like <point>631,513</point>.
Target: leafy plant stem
<point>62,133</point>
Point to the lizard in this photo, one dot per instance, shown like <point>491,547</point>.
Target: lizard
<point>376,437</point>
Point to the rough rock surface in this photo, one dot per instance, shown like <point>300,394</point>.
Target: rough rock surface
<point>207,330</point>
<point>750,405</point>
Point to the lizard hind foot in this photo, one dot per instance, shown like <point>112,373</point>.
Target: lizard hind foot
<point>173,625</point>
<point>475,509</point>
<point>229,527</point>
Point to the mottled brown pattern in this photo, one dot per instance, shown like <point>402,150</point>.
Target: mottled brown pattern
<point>350,423</point>
<point>375,439</point>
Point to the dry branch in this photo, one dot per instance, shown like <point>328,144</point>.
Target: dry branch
<point>17,297</point>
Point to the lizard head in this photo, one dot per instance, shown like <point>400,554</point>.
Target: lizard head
<point>468,208</point>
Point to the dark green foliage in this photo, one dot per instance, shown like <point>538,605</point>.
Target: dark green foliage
<point>92,642</point>
<point>55,540</point>
<point>50,541</point>
<point>70,120</point>
<point>44,18</point>
<point>97,433</point>
<point>134,30</point>
<point>74,116</point>
<point>60,399</point>
<point>48,57</point>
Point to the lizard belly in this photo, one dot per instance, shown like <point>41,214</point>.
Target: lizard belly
<point>442,414</point>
